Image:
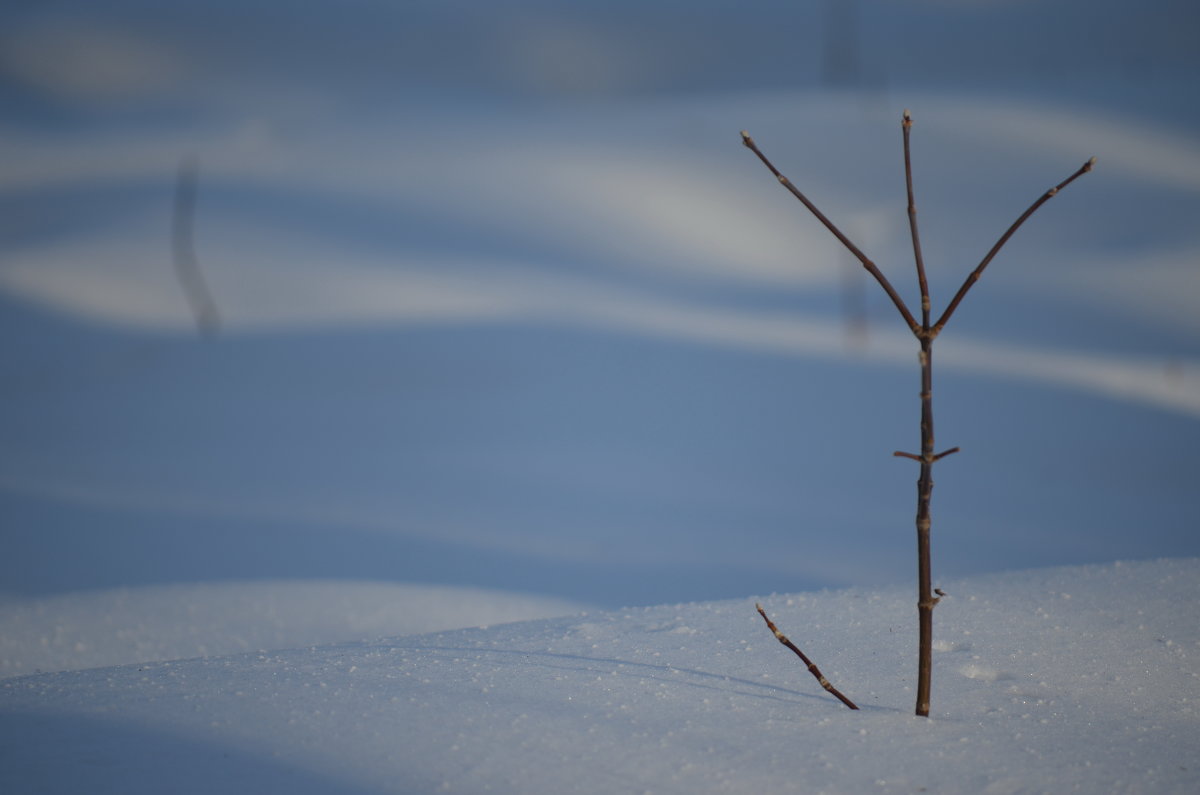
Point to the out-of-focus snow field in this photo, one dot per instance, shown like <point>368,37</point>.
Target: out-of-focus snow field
<point>512,326</point>
<point>595,355</point>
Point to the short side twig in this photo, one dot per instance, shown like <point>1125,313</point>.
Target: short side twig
<point>934,457</point>
<point>812,668</point>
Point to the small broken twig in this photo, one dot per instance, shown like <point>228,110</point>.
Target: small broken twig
<point>812,667</point>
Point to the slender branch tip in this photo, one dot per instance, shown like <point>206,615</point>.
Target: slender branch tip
<point>1089,164</point>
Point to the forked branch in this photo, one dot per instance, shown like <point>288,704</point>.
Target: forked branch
<point>932,458</point>
<point>812,668</point>
<point>975,274</point>
<point>853,249</point>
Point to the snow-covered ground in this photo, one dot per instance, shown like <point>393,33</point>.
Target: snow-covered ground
<point>93,629</point>
<point>1078,679</point>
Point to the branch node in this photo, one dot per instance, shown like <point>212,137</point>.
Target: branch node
<point>975,274</point>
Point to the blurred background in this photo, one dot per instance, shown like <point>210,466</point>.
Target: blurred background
<point>490,294</point>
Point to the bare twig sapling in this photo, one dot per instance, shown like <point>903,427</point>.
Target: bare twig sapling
<point>925,330</point>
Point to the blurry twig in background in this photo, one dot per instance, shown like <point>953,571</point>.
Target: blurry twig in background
<point>187,268</point>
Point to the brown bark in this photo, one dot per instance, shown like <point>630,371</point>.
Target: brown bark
<point>812,667</point>
<point>925,332</point>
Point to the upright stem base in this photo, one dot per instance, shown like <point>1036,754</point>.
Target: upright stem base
<point>925,598</point>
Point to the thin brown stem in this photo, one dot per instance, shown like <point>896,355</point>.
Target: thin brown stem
<point>812,668</point>
<point>845,241</point>
<point>912,225</point>
<point>925,598</point>
<point>975,274</point>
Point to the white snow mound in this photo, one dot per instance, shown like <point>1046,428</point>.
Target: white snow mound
<point>1081,679</point>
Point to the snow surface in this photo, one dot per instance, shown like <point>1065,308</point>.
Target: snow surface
<point>1077,679</point>
<point>91,629</point>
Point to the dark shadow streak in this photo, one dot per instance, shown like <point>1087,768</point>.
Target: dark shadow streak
<point>82,753</point>
<point>658,671</point>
